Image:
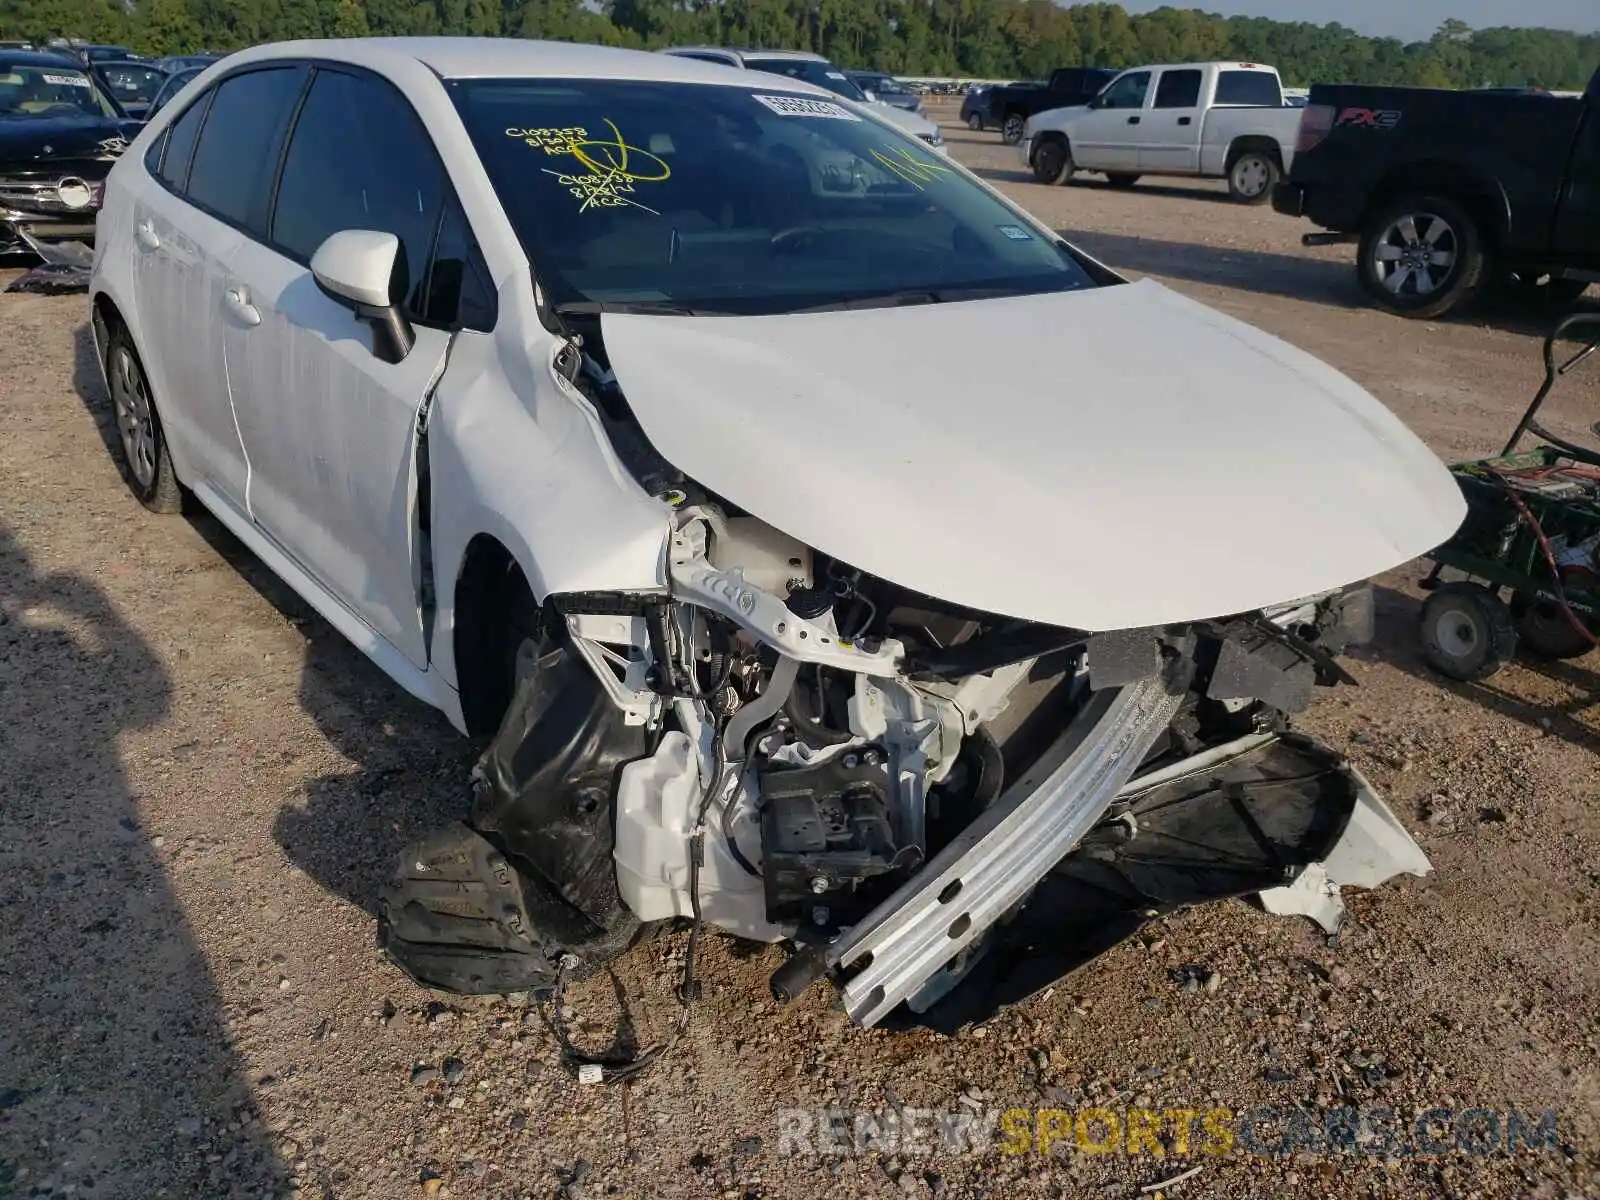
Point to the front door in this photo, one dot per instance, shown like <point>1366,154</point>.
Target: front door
<point>1577,225</point>
<point>1107,137</point>
<point>331,428</point>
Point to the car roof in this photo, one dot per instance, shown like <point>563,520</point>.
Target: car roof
<point>38,58</point>
<point>509,58</point>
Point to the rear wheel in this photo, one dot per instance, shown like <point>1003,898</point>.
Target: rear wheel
<point>1011,131</point>
<point>146,462</point>
<point>1052,161</point>
<point>1253,176</point>
<point>1122,182</point>
<point>1422,256</point>
<point>1466,631</point>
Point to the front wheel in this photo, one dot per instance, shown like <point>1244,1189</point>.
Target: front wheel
<point>1422,256</point>
<point>1052,162</point>
<point>975,123</point>
<point>1011,131</point>
<point>1466,631</point>
<point>1253,176</point>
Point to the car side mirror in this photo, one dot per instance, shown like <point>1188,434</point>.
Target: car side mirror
<point>354,267</point>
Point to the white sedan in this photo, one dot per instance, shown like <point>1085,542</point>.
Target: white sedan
<point>835,553</point>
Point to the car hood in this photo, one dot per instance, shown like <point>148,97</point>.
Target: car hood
<point>1102,459</point>
<point>32,141</point>
<point>911,122</point>
<point>1058,117</point>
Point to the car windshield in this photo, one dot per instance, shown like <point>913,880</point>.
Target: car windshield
<point>53,91</point>
<point>823,74</point>
<point>885,85</point>
<point>710,198</point>
<point>133,85</point>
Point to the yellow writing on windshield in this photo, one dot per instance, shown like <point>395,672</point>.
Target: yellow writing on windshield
<point>610,167</point>
<point>913,168</point>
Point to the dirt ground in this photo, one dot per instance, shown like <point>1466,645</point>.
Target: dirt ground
<point>201,786</point>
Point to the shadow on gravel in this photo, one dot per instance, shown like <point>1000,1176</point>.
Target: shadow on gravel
<point>1396,645</point>
<point>116,1078</point>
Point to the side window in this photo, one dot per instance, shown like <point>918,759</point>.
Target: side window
<point>1178,89</point>
<point>1128,91</point>
<point>360,158</point>
<point>238,150</point>
<point>458,291</point>
<point>179,141</point>
<point>1249,87</point>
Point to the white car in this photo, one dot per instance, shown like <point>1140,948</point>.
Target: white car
<point>709,445</point>
<point>1215,120</point>
<point>813,68</point>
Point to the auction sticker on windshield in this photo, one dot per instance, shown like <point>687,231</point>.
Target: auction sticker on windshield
<point>67,80</point>
<point>801,106</point>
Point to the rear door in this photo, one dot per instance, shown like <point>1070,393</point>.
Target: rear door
<point>1170,143</point>
<point>1105,138</point>
<point>329,426</point>
<point>214,176</point>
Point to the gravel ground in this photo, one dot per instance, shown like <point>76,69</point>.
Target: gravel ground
<point>203,786</point>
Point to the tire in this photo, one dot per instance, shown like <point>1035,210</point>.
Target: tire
<point>141,443</point>
<point>1544,631</point>
<point>1418,241</point>
<point>1011,130</point>
<point>1052,161</point>
<point>1122,182</point>
<point>1252,177</point>
<point>1466,631</point>
<point>975,123</point>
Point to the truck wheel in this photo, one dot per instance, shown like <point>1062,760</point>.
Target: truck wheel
<point>1544,631</point>
<point>1122,182</point>
<point>975,123</point>
<point>1422,256</point>
<point>1052,162</point>
<point>1253,176</point>
<point>1011,131</point>
<point>1466,631</point>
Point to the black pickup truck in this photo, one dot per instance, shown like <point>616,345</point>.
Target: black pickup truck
<point>1450,193</point>
<point>1008,108</point>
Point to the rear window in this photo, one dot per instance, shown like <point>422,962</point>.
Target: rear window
<point>238,151</point>
<point>1249,87</point>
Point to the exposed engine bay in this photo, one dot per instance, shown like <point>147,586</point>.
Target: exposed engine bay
<point>790,751</point>
<point>940,810</point>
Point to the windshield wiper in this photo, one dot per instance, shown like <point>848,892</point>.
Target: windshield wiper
<point>594,308</point>
<point>910,297</point>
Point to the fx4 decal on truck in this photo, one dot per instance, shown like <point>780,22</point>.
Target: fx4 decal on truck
<point>1375,118</point>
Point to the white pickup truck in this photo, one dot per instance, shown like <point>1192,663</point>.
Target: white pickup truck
<point>1217,120</point>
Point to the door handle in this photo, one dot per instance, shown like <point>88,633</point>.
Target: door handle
<point>237,301</point>
<point>1133,120</point>
<point>145,234</point>
<point>1185,120</point>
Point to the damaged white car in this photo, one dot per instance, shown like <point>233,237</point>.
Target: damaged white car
<point>834,554</point>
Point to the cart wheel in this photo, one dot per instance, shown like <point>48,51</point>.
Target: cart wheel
<point>1466,631</point>
<point>1544,631</point>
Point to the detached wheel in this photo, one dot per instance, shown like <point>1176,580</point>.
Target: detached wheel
<point>1122,182</point>
<point>1253,176</point>
<point>145,461</point>
<point>1544,631</point>
<point>1052,161</point>
<point>1466,631</point>
<point>1011,131</point>
<point>1422,256</point>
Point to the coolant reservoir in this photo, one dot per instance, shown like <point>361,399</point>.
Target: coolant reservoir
<point>656,802</point>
